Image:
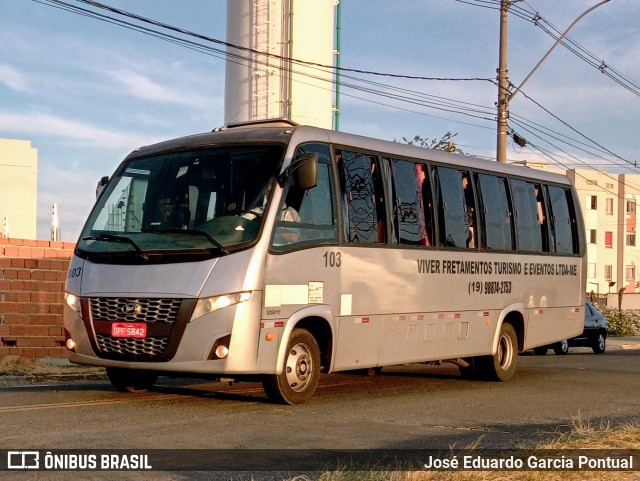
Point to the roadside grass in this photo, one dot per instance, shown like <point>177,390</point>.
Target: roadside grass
<point>582,436</point>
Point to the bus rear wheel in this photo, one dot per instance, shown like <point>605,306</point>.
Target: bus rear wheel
<point>128,380</point>
<point>301,372</point>
<point>502,365</point>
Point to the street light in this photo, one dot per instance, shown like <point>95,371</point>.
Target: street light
<point>504,97</point>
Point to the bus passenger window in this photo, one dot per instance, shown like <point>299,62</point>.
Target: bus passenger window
<point>528,227</point>
<point>412,221</point>
<point>564,235</point>
<point>362,197</point>
<point>542,217</point>
<point>455,208</point>
<point>469,208</point>
<point>495,212</point>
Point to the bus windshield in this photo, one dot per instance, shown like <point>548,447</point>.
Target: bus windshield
<point>198,202</point>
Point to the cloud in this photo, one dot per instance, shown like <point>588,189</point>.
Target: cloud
<point>43,124</point>
<point>144,88</point>
<point>13,78</point>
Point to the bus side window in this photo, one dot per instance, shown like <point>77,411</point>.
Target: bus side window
<point>530,216</point>
<point>564,238</point>
<point>307,218</point>
<point>412,221</point>
<point>455,207</point>
<point>362,197</point>
<point>495,212</point>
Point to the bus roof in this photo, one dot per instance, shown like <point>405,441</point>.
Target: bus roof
<point>286,132</point>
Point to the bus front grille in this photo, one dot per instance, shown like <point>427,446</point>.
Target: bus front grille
<point>117,309</point>
<point>150,346</point>
<point>164,319</point>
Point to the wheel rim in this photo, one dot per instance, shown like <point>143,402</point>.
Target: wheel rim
<point>601,342</point>
<point>505,352</point>
<point>299,367</point>
<point>564,345</point>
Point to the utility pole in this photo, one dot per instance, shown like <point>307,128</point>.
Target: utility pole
<point>504,97</point>
<point>503,85</point>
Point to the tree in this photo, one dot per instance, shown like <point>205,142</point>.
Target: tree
<point>445,143</point>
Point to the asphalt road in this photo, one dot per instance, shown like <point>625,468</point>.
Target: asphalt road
<point>407,407</point>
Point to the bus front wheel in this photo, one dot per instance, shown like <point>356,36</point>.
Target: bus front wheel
<point>502,365</point>
<point>130,380</point>
<point>301,372</point>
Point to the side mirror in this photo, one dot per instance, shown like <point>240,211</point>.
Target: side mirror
<point>306,171</point>
<point>101,185</point>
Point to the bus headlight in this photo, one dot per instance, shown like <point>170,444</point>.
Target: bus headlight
<point>73,302</point>
<point>210,304</point>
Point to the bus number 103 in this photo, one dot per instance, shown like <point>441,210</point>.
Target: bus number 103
<point>332,259</point>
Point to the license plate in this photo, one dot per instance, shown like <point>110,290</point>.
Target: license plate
<point>129,329</point>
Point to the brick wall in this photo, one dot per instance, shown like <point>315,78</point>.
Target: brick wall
<point>32,275</point>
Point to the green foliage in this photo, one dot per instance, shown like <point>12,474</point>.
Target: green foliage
<point>625,323</point>
<point>445,143</point>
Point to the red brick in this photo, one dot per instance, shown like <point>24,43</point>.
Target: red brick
<point>64,254</point>
<point>7,307</point>
<point>50,275</point>
<point>56,331</point>
<point>29,331</point>
<point>17,285</point>
<point>15,351</point>
<point>11,251</point>
<point>24,274</point>
<point>44,264</point>
<point>42,243</point>
<point>5,284</point>
<point>17,297</point>
<point>5,262</point>
<point>24,252</point>
<point>57,352</point>
<point>9,273</point>
<point>15,242</point>
<point>45,297</point>
<point>4,330</point>
<point>17,263</point>
<point>29,353</point>
<point>12,318</point>
<point>37,252</point>
<point>37,275</point>
<point>30,263</point>
<point>59,265</point>
<point>4,351</point>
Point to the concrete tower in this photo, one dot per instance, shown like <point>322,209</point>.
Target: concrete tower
<point>268,84</point>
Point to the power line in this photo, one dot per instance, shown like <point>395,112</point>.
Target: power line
<point>368,87</point>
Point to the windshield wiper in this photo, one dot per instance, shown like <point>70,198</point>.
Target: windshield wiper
<point>118,238</point>
<point>202,233</point>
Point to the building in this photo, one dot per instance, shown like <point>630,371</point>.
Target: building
<point>287,80</point>
<point>18,188</point>
<point>609,207</point>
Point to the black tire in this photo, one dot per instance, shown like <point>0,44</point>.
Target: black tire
<point>128,380</point>
<point>502,365</point>
<point>541,351</point>
<point>561,348</point>
<point>600,344</point>
<point>301,372</point>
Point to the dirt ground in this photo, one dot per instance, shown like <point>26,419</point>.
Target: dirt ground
<point>15,369</point>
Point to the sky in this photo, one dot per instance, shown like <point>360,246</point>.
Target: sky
<point>87,92</point>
